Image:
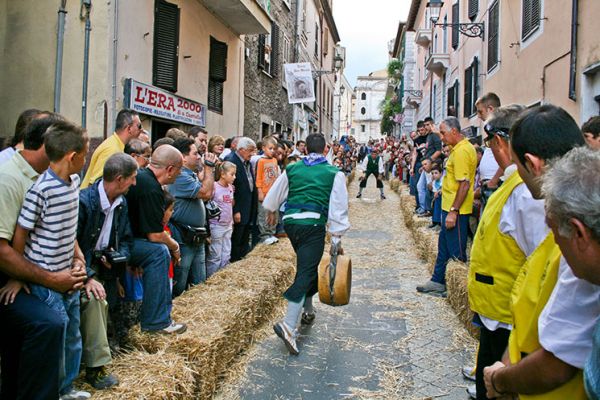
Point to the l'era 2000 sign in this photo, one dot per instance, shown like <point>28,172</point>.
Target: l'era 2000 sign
<point>159,103</point>
<point>300,86</point>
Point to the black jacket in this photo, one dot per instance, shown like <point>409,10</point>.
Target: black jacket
<point>246,200</point>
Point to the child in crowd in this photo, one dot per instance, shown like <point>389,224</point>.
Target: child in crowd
<point>46,234</point>
<point>221,228</point>
<point>267,172</point>
<point>169,207</point>
<point>436,189</point>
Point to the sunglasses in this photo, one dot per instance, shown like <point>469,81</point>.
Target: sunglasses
<point>492,130</point>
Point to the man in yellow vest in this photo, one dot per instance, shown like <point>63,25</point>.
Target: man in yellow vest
<point>551,308</point>
<point>573,210</point>
<point>511,227</point>
<point>128,126</point>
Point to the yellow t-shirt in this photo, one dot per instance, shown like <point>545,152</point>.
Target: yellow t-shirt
<point>461,166</point>
<point>106,149</point>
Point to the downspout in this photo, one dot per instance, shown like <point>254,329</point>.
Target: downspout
<point>62,12</point>
<point>85,14</point>
<point>544,73</point>
<point>573,63</point>
<point>113,102</point>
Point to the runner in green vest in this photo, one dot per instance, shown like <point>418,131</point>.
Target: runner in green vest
<point>316,197</point>
<point>373,164</point>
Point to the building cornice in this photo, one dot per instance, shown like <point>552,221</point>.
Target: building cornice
<point>412,15</point>
<point>330,21</point>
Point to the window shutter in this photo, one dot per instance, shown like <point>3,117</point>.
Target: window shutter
<point>532,12</point>
<point>274,50</point>
<point>468,89</point>
<point>451,101</point>
<point>166,45</point>
<point>456,102</point>
<point>455,20</point>
<point>473,9</point>
<point>475,88</point>
<point>261,51</point>
<point>493,27</point>
<point>217,69</point>
<point>215,95</point>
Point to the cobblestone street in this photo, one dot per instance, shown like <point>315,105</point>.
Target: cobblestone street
<point>388,343</point>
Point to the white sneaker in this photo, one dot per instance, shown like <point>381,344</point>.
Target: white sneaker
<point>271,240</point>
<point>288,336</point>
<point>75,394</point>
<point>175,327</point>
<point>472,391</point>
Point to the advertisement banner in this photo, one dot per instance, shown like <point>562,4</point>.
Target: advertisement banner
<point>300,85</point>
<point>150,100</point>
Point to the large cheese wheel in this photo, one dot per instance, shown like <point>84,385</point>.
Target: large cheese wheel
<point>342,282</point>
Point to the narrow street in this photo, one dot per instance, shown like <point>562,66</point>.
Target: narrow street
<point>388,343</point>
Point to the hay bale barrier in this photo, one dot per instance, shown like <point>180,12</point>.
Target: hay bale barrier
<point>456,283</point>
<point>222,316</point>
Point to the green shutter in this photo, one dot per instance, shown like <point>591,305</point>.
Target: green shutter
<point>166,45</point>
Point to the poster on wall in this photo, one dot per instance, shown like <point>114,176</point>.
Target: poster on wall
<point>300,85</point>
<point>150,100</point>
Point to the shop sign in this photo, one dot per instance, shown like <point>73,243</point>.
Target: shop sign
<point>150,100</point>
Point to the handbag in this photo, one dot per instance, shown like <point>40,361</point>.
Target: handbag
<point>212,210</point>
<point>191,235</point>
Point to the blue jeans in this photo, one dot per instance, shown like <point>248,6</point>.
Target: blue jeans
<point>424,203</point>
<point>154,259</point>
<point>452,244</point>
<point>31,342</point>
<point>436,217</point>
<point>67,306</point>
<point>192,263</point>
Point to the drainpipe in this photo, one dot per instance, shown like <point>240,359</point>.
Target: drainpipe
<point>113,102</point>
<point>573,63</point>
<point>62,12</point>
<point>85,14</point>
<point>544,73</point>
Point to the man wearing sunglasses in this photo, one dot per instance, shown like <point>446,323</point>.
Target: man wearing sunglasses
<point>128,126</point>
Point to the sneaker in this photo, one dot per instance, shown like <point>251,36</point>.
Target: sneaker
<point>358,196</point>
<point>383,197</point>
<point>288,336</point>
<point>75,394</point>
<point>425,214</point>
<point>433,225</point>
<point>271,240</point>
<point>175,327</point>
<point>307,318</point>
<point>468,372</point>
<point>99,378</point>
<point>472,391</point>
<point>432,287</point>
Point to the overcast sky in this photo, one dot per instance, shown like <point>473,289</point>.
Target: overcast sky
<point>365,27</point>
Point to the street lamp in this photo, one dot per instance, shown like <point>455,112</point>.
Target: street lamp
<point>470,29</point>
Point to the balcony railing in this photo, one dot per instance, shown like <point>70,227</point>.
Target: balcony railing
<point>437,63</point>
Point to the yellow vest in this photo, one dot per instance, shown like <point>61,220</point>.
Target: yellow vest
<point>531,292</point>
<point>495,259</point>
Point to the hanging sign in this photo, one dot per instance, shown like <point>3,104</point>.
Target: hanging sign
<point>300,85</point>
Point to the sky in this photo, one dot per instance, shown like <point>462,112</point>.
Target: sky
<point>365,27</point>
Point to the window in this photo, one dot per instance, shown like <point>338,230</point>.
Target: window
<point>217,74</point>
<point>363,111</point>
<point>493,27</point>
<point>455,20</point>
<point>445,37</point>
<point>473,9</point>
<point>363,128</point>
<point>316,41</point>
<point>434,102</point>
<point>166,45</point>
<point>286,58</point>
<point>268,51</point>
<point>532,14</point>
<point>471,89</point>
<point>325,41</point>
<point>363,96</point>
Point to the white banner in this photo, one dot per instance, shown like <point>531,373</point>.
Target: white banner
<point>300,85</point>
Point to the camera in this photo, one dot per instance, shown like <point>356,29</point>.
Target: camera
<point>113,257</point>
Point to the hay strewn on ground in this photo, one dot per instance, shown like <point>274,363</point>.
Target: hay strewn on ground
<point>222,316</point>
<point>456,284</point>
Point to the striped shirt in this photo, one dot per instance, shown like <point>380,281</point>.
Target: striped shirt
<point>50,213</point>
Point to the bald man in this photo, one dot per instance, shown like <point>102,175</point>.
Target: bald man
<point>152,248</point>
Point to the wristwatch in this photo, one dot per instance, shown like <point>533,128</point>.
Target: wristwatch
<point>453,209</point>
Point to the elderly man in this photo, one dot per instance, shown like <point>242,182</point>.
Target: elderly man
<point>103,231</point>
<point>31,336</point>
<point>128,126</point>
<point>573,212</point>
<point>457,204</point>
<point>553,312</point>
<point>511,227</point>
<point>190,215</point>
<point>152,247</point>
<point>245,197</point>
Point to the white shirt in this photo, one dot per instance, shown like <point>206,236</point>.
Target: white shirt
<point>567,323</point>
<point>338,203</point>
<point>109,212</point>
<point>488,165</point>
<point>6,154</point>
<point>363,165</point>
<point>523,219</point>
<point>225,153</point>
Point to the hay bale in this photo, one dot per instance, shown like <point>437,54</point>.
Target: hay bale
<point>395,184</point>
<point>426,242</point>
<point>456,284</point>
<point>350,177</point>
<point>223,314</point>
<point>162,375</point>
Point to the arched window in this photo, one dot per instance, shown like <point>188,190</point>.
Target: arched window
<point>363,96</point>
<point>363,111</point>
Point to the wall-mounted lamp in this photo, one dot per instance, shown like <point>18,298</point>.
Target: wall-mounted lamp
<point>470,29</point>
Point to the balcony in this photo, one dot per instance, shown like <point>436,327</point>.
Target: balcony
<point>437,63</point>
<point>423,37</point>
<point>412,98</point>
<point>242,16</point>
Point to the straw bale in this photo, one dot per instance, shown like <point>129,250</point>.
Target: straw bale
<point>395,184</point>
<point>162,375</point>
<point>456,284</point>
<point>426,241</point>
